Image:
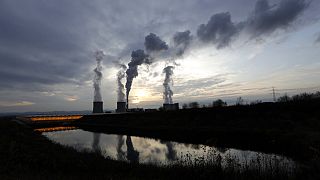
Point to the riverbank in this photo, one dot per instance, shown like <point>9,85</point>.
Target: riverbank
<point>291,129</point>
<point>26,154</point>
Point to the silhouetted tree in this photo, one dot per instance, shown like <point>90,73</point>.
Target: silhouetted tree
<point>302,97</point>
<point>218,103</point>
<point>239,101</point>
<point>194,105</point>
<point>184,106</point>
<point>284,98</point>
<point>255,102</point>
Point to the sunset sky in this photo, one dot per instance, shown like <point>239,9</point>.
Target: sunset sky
<point>238,48</point>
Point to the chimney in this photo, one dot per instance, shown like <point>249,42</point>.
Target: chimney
<point>97,107</point>
<point>121,107</point>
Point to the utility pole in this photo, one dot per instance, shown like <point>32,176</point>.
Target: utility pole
<point>274,94</point>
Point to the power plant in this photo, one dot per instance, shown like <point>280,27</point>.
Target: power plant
<point>97,107</point>
<point>171,107</point>
<point>121,107</point>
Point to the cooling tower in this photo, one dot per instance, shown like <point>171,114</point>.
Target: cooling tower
<point>97,107</point>
<point>171,107</point>
<point>121,107</point>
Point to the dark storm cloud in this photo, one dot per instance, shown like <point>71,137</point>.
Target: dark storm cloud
<point>266,18</point>
<point>154,43</point>
<point>219,30</point>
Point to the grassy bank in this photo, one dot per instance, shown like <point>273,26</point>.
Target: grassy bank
<point>25,154</point>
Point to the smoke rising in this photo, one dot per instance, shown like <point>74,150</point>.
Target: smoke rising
<point>266,19</point>
<point>153,43</point>
<point>219,30</point>
<point>138,57</point>
<point>98,76</point>
<point>181,41</point>
<point>167,93</point>
<point>120,75</point>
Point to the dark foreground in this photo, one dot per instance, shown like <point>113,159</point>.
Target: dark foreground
<point>291,129</point>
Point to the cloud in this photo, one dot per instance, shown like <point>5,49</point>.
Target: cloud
<point>15,104</point>
<point>71,98</point>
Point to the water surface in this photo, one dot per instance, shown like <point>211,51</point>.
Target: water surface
<point>154,151</point>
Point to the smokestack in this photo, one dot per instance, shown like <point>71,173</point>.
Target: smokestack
<point>121,107</point>
<point>97,107</point>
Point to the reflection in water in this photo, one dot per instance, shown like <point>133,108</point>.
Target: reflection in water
<point>95,143</point>
<point>120,152</point>
<point>50,129</point>
<point>171,154</point>
<point>132,155</point>
<point>145,150</point>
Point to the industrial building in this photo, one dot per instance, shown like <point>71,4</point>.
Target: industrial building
<point>171,107</point>
<point>121,107</point>
<point>97,107</point>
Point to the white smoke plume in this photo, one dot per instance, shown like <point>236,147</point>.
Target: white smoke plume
<point>98,76</point>
<point>167,93</point>
<point>120,75</point>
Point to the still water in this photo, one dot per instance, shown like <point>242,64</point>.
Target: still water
<point>155,151</point>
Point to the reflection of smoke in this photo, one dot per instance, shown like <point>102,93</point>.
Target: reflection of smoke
<point>121,153</point>
<point>172,153</point>
<point>98,76</point>
<point>138,57</point>
<point>120,75</point>
<point>95,143</point>
<point>167,93</point>
<point>132,155</point>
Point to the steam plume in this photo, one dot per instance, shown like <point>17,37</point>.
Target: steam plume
<point>167,93</point>
<point>138,57</point>
<point>219,30</point>
<point>181,42</point>
<point>265,19</point>
<point>153,43</point>
<point>120,75</point>
<point>98,76</point>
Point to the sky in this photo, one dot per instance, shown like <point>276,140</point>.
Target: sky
<point>233,48</point>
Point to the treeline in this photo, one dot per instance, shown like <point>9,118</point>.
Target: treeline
<point>299,97</point>
<point>240,101</point>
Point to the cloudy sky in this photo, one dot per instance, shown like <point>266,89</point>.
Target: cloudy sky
<point>233,48</point>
